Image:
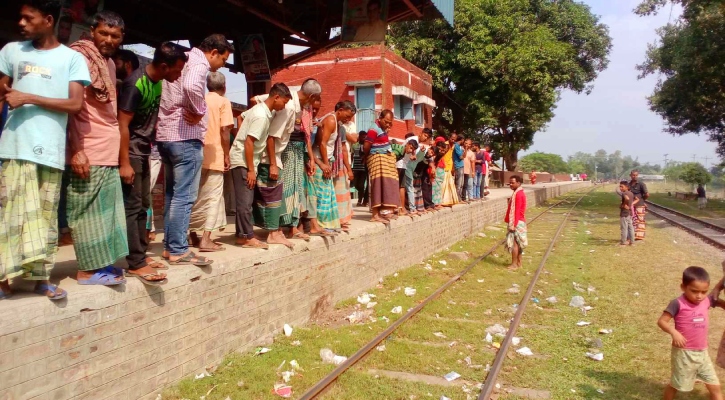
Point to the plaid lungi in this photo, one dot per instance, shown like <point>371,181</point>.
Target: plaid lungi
<point>343,198</point>
<point>293,178</point>
<point>209,213</point>
<point>267,206</point>
<point>520,236</point>
<point>321,193</point>
<point>418,192</point>
<point>640,226</point>
<point>384,185</point>
<point>29,193</point>
<point>97,218</point>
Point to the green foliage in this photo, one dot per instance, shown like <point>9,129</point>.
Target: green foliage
<point>543,162</point>
<point>688,57</point>
<point>608,166</point>
<point>498,72</point>
<point>695,174</point>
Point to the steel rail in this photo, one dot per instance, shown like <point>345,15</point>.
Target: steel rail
<point>321,385</point>
<point>690,217</point>
<point>490,382</point>
<point>653,209</point>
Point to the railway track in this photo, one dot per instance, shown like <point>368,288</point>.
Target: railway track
<point>556,215</point>
<point>713,234</point>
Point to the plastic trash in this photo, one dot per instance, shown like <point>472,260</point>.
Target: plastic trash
<point>262,350</point>
<point>483,235</point>
<point>380,348</point>
<point>410,291</point>
<point>605,331</point>
<point>296,343</point>
<point>363,299</point>
<point>443,262</point>
<point>287,330</point>
<point>515,341</point>
<point>397,310</point>
<point>583,323</point>
<point>328,357</point>
<point>452,376</point>
<point>287,376</point>
<point>489,338</point>
<point>295,366</point>
<point>440,335</point>
<point>395,275</point>
<point>480,281</point>
<point>577,301</point>
<point>496,330</point>
<point>636,294</point>
<point>552,300</point>
<point>428,267</point>
<point>513,290</point>
<point>525,351</point>
<point>535,300</point>
<point>371,304</point>
<point>444,398</point>
<point>202,375</point>
<point>282,390</point>
<point>596,356</point>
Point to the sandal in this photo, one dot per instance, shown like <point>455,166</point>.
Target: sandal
<point>191,258</point>
<point>259,245</point>
<point>300,235</point>
<point>323,233</point>
<point>57,292</point>
<point>217,247</point>
<point>103,277</point>
<point>146,281</point>
<point>157,265</point>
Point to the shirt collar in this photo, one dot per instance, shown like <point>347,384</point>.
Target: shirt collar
<point>197,57</point>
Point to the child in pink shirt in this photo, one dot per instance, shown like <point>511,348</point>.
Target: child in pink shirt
<point>690,360</point>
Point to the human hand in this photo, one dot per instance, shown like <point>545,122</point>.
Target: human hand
<point>310,166</point>
<point>15,98</point>
<point>251,179</point>
<point>127,173</point>
<point>273,172</point>
<point>326,171</point>
<point>678,340</point>
<point>227,163</point>
<point>351,176</point>
<point>80,165</point>
<point>191,118</point>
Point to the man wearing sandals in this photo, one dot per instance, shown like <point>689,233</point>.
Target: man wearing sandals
<point>42,82</point>
<point>138,107</point>
<point>95,199</point>
<point>180,137</point>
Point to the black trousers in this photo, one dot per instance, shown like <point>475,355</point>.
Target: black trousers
<point>136,203</point>
<point>360,181</point>
<point>426,186</point>
<point>244,197</point>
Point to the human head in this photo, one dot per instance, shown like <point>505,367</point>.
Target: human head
<point>459,139</point>
<point>279,95</point>
<point>386,119</point>
<point>126,62</point>
<point>361,136</point>
<point>37,18</point>
<point>425,135</point>
<point>624,186</point>
<point>345,110</point>
<point>107,32</point>
<point>169,60</point>
<point>515,182</point>
<point>468,142</point>
<point>65,27</point>
<point>476,147</point>
<point>452,139</point>
<point>487,147</point>
<point>634,175</point>
<point>695,284</point>
<point>216,82</point>
<point>409,135</point>
<point>411,146</point>
<point>430,152</point>
<point>217,50</point>
<point>310,91</point>
<point>373,9</point>
<point>316,104</point>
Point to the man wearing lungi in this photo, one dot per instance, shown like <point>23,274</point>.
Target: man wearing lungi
<point>516,238</point>
<point>639,189</point>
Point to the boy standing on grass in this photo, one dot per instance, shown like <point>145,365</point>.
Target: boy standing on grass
<point>690,360</point>
<point>625,214</point>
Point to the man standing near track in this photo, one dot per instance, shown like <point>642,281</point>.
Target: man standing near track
<point>639,190</point>
<point>516,238</point>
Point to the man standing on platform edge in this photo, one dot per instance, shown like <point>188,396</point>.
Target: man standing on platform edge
<point>516,238</point>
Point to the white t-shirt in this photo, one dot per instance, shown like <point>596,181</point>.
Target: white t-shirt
<point>282,125</point>
<point>256,124</point>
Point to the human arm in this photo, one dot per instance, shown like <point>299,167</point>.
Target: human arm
<point>645,192</point>
<point>193,88</point>
<point>71,105</point>
<point>346,161</point>
<point>124,161</point>
<point>273,168</point>
<point>226,146</point>
<point>226,118</point>
<point>249,159</point>
<point>323,135</point>
<point>635,202</point>
<point>664,323</point>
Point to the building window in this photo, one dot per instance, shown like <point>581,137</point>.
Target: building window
<point>403,107</point>
<point>419,115</point>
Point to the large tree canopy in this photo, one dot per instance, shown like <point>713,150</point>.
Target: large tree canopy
<point>543,162</point>
<point>689,57</point>
<point>499,70</point>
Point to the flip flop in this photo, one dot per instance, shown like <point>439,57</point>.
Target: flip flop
<point>44,287</point>
<point>188,260</point>
<point>261,245</point>
<point>322,234</point>
<point>156,265</point>
<point>217,247</point>
<point>300,235</point>
<point>112,270</point>
<point>103,278</point>
<point>148,282</point>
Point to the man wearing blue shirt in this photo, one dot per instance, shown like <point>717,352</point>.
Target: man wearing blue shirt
<point>458,160</point>
<point>42,82</point>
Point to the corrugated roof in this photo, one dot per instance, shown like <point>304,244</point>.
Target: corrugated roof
<point>446,9</point>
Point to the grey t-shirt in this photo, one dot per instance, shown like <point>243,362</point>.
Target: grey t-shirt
<point>626,206</point>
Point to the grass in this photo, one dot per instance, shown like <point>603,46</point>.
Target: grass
<point>636,363</point>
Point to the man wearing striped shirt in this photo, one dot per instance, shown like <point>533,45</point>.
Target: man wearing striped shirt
<point>180,136</point>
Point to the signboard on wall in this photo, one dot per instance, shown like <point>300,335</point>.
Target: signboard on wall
<point>254,59</point>
<point>364,20</point>
<point>76,17</point>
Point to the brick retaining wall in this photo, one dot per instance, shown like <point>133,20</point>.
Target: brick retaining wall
<point>128,344</point>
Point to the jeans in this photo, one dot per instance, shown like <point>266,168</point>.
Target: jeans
<point>477,180</point>
<point>244,197</point>
<point>459,178</point>
<point>360,182</point>
<point>626,229</point>
<point>468,186</point>
<point>410,191</point>
<point>182,171</point>
<point>136,203</point>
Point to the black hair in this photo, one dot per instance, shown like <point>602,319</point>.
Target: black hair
<point>169,53</point>
<point>518,178</point>
<point>362,133</point>
<point>413,144</point>
<point>385,113</point>
<point>109,18</point>
<point>45,7</point>
<point>216,42</point>
<point>460,138</point>
<point>477,144</point>
<point>428,131</point>
<point>66,19</point>
<point>280,89</point>
<point>692,274</point>
<point>346,105</point>
<point>409,134</point>
<point>128,56</point>
<point>625,183</point>
<point>441,145</point>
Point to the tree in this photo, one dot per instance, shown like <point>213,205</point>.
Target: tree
<point>689,56</point>
<point>498,71</point>
<point>543,162</point>
<point>695,174</point>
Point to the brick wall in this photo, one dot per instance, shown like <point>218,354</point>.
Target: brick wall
<point>128,344</point>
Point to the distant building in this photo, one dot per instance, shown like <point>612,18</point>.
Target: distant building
<point>652,178</point>
<point>374,78</point>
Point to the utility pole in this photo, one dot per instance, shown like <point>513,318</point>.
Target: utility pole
<point>666,154</point>
<point>694,156</point>
<point>706,158</point>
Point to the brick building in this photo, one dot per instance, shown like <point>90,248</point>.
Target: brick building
<point>374,78</point>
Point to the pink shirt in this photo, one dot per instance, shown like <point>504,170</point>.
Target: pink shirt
<point>469,163</point>
<point>96,127</point>
<point>691,320</point>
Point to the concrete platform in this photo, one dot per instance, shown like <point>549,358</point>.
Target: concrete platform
<point>130,341</point>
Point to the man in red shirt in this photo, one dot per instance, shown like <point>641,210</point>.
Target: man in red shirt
<point>516,240</point>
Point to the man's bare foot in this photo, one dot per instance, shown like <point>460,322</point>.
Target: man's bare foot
<point>195,241</point>
<point>252,243</point>
<point>148,273</point>
<point>107,278</point>
<point>65,239</point>
<point>277,237</point>
<point>513,267</point>
<point>151,235</point>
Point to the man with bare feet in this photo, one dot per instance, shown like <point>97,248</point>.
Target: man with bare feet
<point>516,240</point>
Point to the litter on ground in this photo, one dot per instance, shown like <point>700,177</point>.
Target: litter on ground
<point>440,335</point>
<point>583,323</point>
<point>525,351</point>
<point>577,301</point>
<point>262,350</point>
<point>596,356</point>
<point>410,291</point>
<point>397,310</point>
<point>287,330</point>
<point>328,357</point>
<point>452,376</point>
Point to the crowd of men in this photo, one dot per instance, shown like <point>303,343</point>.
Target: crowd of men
<point>88,131</point>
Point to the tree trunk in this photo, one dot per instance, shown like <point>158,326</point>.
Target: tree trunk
<point>511,158</point>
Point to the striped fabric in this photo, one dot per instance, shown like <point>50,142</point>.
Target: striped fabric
<point>293,178</point>
<point>97,218</point>
<point>640,226</point>
<point>449,194</point>
<point>321,193</point>
<point>418,191</point>
<point>384,186</point>
<point>267,206</point>
<point>29,195</point>
<point>209,211</point>
<point>438,186</point>
<point>342,195</point>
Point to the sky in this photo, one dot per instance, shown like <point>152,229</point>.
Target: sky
<point>615,116</point>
